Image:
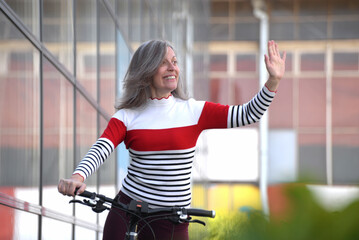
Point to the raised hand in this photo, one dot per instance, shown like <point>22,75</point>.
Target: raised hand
<point>275,65</point>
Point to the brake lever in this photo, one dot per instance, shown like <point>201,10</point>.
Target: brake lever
<point>197,221</point>
<point>189,220</point>
<point>185,218</point>
<point>84,202</point>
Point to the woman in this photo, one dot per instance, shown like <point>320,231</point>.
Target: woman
<point>160,127</point>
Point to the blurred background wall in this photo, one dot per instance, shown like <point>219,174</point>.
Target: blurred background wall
<point>61,69</point>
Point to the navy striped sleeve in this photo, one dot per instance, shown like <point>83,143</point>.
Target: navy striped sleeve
<point>95,157</point>
<point>252,111</point>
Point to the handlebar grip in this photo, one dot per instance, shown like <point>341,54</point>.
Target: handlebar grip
<point>201,212</point>
<point>88,194</point>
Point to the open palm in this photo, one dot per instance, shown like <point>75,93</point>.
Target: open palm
<point>275,64</point>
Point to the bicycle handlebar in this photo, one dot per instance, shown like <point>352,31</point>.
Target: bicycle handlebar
<point>140,212</point>
<point>93,195</point>
<point>201,212</point>
<point>88,194</point>
<point>180,210</point>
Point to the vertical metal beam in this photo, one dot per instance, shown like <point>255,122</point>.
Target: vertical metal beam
<point>74,4</point>
<point>328,112</point>
<point>98,87</point>
<point>260,13</point>
<point>117,86</point>
<point>41,75</point>
<point>189,49</point>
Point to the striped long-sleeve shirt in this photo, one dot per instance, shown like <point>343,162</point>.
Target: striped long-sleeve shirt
<point>161,138</point>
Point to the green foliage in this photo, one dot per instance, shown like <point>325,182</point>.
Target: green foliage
<point>306,219</point>
<point>225,224</point>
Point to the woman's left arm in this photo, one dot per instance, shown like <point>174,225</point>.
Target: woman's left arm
<point>215,115</point>
<point>253,110</point>
<point>275,65</point>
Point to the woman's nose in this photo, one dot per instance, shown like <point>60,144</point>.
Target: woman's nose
<point>170,66</point>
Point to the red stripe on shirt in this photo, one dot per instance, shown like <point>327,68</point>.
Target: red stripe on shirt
<point>162,139</point>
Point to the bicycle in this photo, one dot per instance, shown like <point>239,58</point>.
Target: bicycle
<point>139,211</point>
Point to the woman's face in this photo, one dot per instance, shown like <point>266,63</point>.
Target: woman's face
<point>166,78</point>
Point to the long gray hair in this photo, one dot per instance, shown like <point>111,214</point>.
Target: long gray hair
<point>138,79</point>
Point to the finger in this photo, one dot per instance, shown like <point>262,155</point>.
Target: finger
<point>81,189</point>
<point>272,50</point>
<point>276,49</point>
<point>266,59</point>
<point>70,188</point>
<point>77,188</point>
<point>284,56</point>
<point>65,187</point>
<point>74,186</point>
<point>60,187</point>
<point>269,48</point>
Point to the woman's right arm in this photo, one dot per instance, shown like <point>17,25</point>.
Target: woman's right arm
<point>96,156</point>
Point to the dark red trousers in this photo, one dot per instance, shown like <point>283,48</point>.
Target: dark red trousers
<point>117,223</point>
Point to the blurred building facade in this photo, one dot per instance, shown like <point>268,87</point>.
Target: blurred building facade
<point>61,69</point>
